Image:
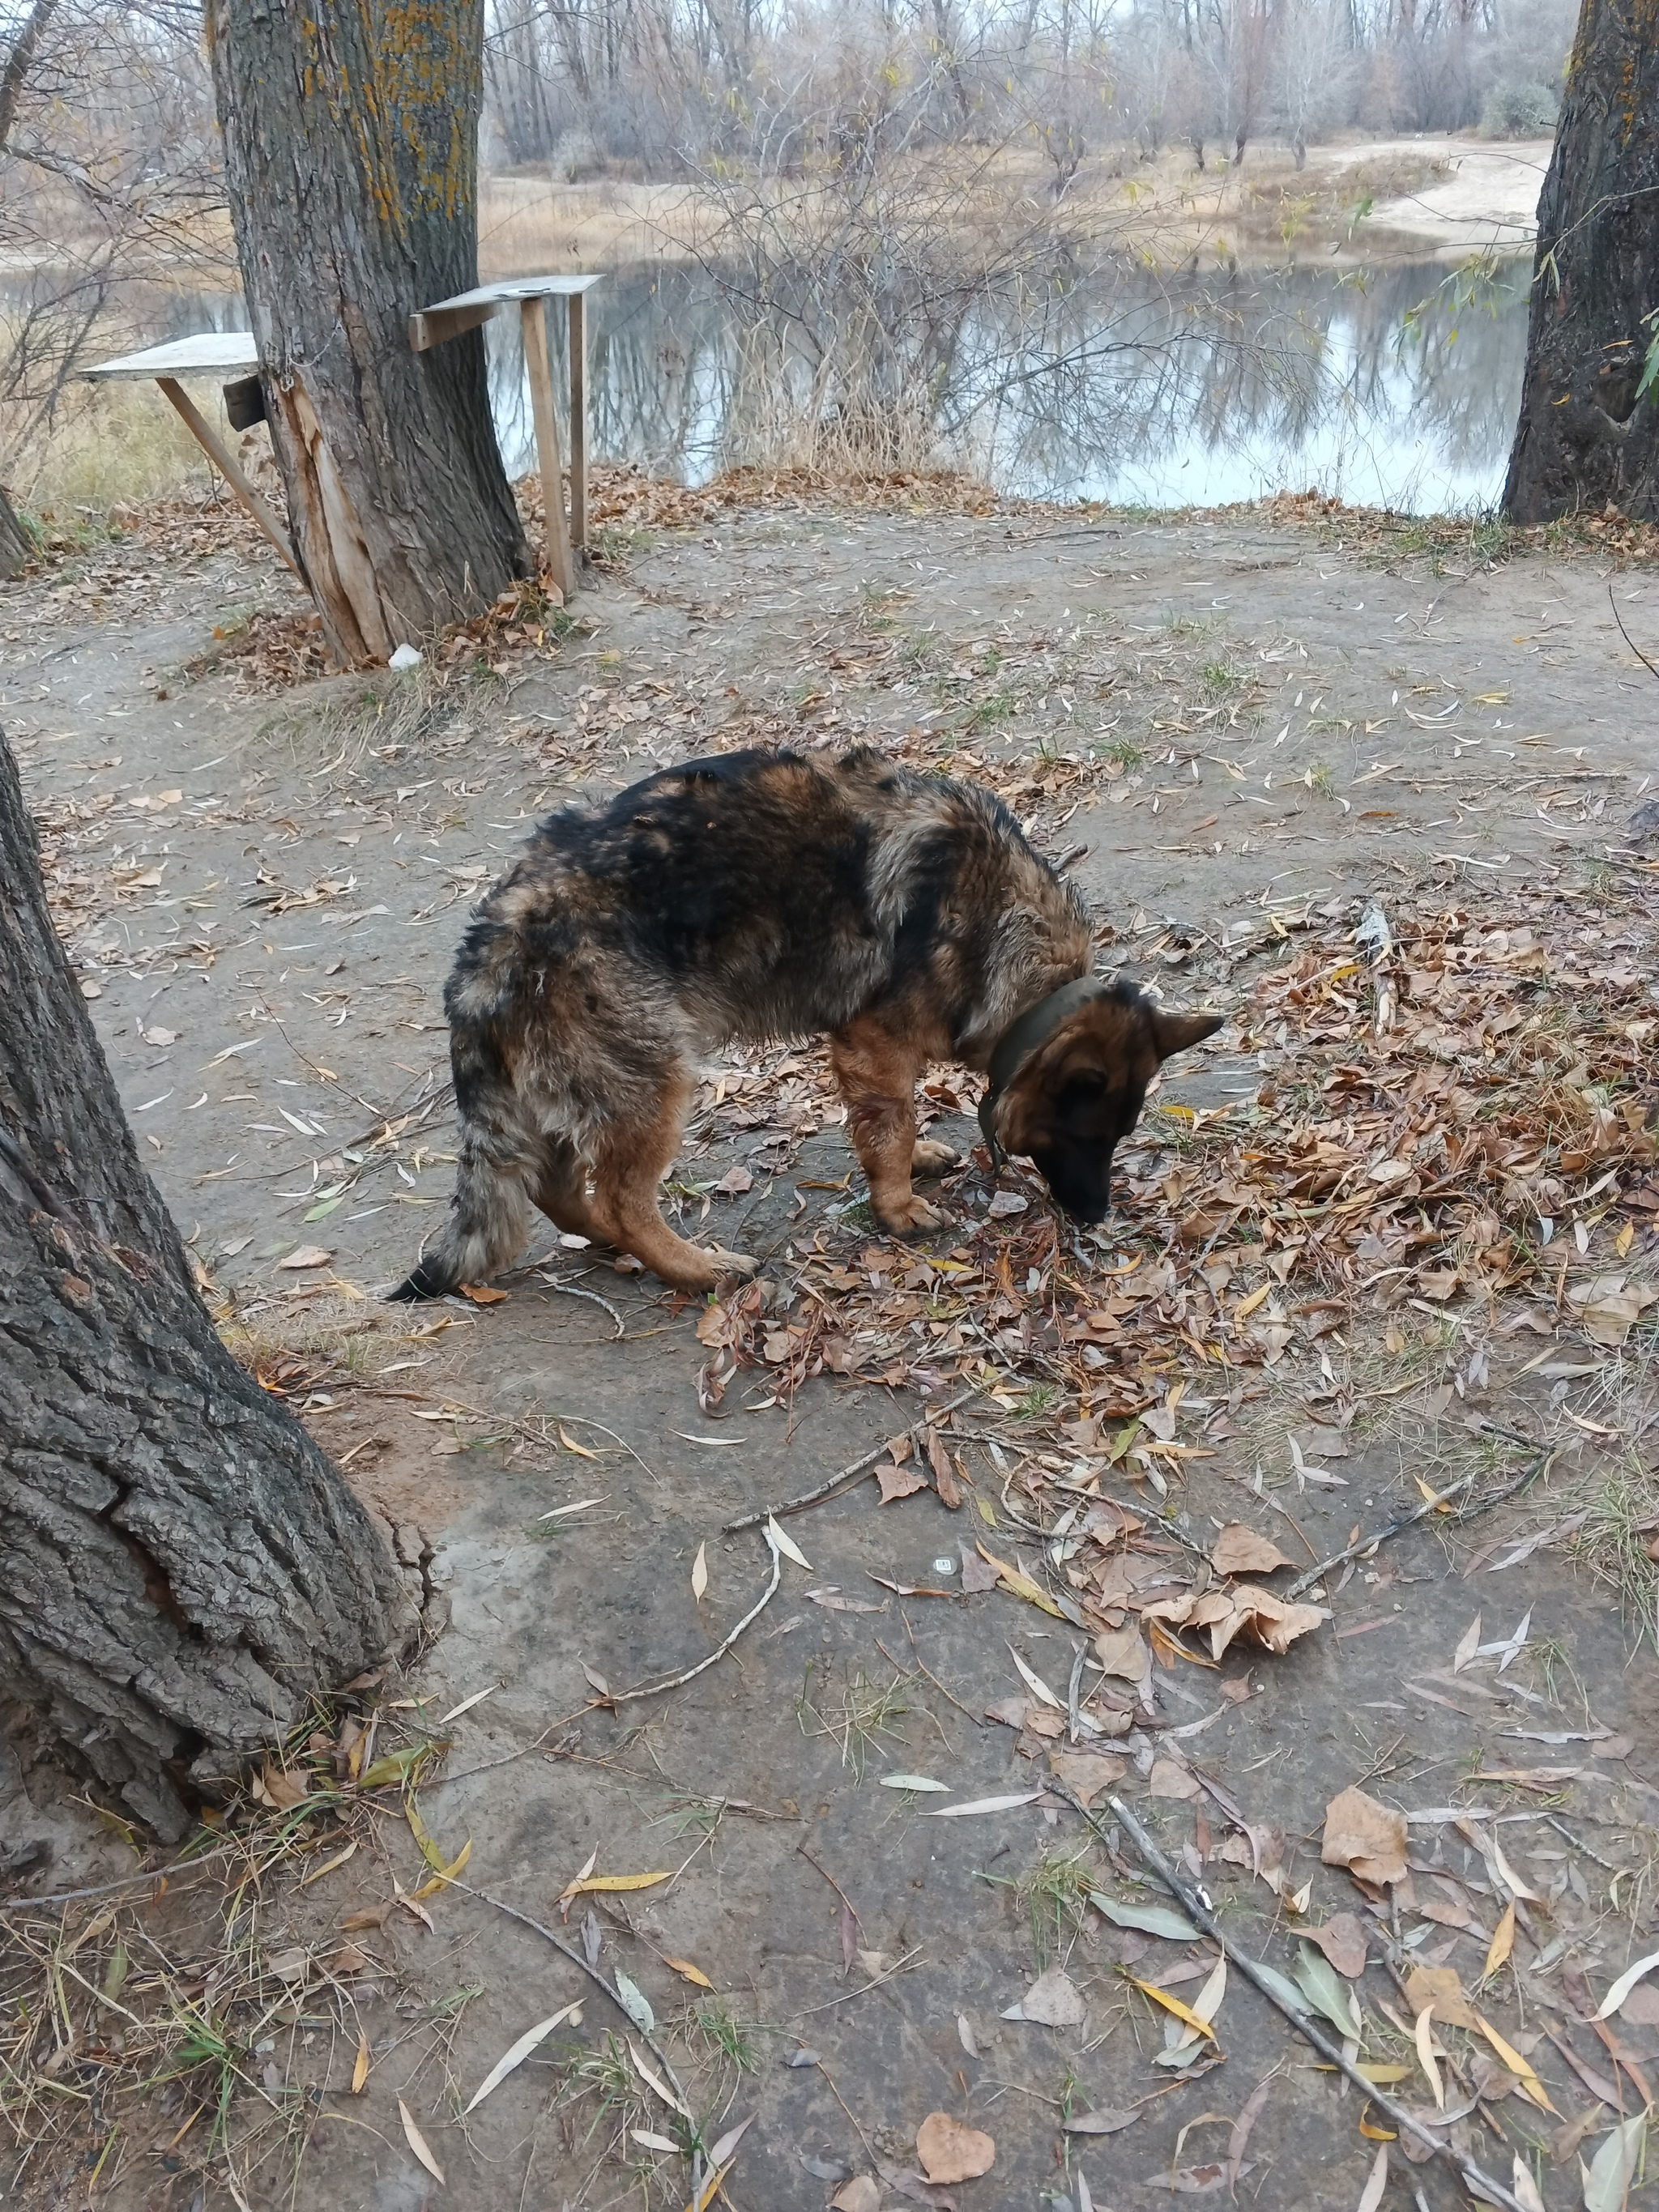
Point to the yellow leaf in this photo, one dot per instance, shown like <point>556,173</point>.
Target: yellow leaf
<point>1377,2134</point>
<point>1173,2004</point>
<point>1246,1307</point>
<point>1502,1943</point>
<point>1425,2055</point>
<point>417,2142</point>
<point>982,1507</point>
<point>694,1974</point>
<point>328,1866</point>
<point>418,1829</point>
<point>481,1296</point>
<point>711,2189</point>
<point>1625,1239</point>
<point>1530,2085</point>
<point>1380,2076</point>
<point>359,2071</point>
<point>1021,1585</point>
<point>590,1883</point>
<point>445,1874</point>
<point>570,1444</point>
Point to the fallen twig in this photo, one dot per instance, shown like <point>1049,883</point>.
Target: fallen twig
<point>851,1908</point>
<point>1480,2184</point>
<point>824,1489</point>
<point>591,1972</point>
<point>678,1681</point>
<point>1419,1513</point>
<point>571,1290</point>
<point>899,1966</point>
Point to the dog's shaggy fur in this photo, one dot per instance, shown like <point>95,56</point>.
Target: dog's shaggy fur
<point>754,898</point>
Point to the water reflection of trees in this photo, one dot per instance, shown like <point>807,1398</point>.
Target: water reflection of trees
<point>1053,390</point>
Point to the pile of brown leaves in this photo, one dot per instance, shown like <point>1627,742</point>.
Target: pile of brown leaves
<point>1475,1121</point>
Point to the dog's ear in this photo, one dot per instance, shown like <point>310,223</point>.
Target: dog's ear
<point>1173,1033</point>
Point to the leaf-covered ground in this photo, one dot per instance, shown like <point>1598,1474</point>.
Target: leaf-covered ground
<point>1387,1248</point>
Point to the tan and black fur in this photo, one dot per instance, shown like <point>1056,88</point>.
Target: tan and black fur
<point>748,898</point>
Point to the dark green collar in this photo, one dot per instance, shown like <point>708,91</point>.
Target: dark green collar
<point>1023,1036</point>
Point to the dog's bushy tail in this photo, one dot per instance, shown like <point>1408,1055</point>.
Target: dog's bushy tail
<point>489,1215</point>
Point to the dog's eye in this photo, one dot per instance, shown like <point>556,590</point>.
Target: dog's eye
<point>1088,1083</point>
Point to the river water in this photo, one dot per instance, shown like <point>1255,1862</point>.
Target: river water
<point>1396,387</point>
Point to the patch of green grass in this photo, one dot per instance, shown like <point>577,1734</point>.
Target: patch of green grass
<point>723,2034</point>
<point>1623,1521</point>
<point>1038,1401</point>
<point>994,709</point>
<point>606,2079</point>
<point>1122,752</point>
<point>1322,778</point>
<point>864,1712</point>
<point>1053,1895</point>
<point>1220,677</point>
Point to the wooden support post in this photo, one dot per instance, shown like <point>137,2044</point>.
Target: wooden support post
<point>226,462</point>
<point>534,316</point>
<point>579,423</point>
<point>432,326</point>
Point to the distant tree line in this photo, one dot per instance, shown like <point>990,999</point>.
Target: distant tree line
<point>579,84</point>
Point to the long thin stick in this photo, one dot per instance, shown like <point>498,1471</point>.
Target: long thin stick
<point>1429,1506</point>
<point>1480,2182</point>
<point>678,1681</point>
<point>849,1473</point>
<point>591,1972</point>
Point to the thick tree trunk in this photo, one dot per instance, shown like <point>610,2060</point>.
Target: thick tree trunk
<point>351,161</point>
<point>16,547</point>
<point>180,1565</point>
<point>1584,439</point>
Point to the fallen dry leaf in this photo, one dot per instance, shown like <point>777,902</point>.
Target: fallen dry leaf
<point>693,1974</point>
<point>1123,1653</point>
<point>1366,1838</point>
<point>1168,1779</point>
<point>861,2194</point>
<point>1054,2000</point>
<point>1439,1987</point>
<point>949,2151</point>
<point>1268,1620</point>
<point>1086,1773</point>
<point>1342,1940</point>
<point>1502,1944</point>
<point>275,1786</point>
<point>1239,1550</point>
<point>417,2142</point>
<point>898,1482</point>
<point>306,1255</point>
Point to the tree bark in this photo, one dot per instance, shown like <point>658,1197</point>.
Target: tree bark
<point>351,162</point>
<point>180,1565</point>
<point>16,547</point>
<point>1584,439</point>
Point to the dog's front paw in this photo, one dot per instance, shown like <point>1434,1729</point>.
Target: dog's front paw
<point>726,1265</point>
<point>907,1213</point>
<point>931,1159</point>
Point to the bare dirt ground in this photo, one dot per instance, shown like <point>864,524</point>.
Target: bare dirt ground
<point>1362,785</point>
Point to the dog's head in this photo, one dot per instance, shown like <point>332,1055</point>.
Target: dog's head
<point>1079,1091</point>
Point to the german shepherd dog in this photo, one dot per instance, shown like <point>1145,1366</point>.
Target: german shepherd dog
<point>756,897</point>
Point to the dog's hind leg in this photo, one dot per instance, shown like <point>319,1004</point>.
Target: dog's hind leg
<point>629,1161</point>
<point>875,1074</point>
<point>560,1190</point>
